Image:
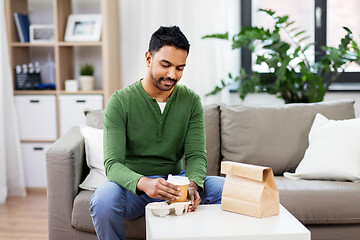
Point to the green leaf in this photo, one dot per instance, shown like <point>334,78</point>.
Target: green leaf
<point>299,33</point>
<point>281,20</point>
<point>296,51</point>
<point>224,36</point>
<point>350,56</point>
<point>289,24</point>
<point>269,12</point>
<point>214,92</point>
<point>293,29</point>
<point>307,46</point>
<point>304,38</point>
<point>356,48</point>
<point>347,29</point>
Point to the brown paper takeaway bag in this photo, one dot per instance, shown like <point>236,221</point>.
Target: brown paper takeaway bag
<point>250,190</point>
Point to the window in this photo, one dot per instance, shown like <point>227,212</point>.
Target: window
<point>339,15</point>
<point>296,13</point>
<point>323,21</point>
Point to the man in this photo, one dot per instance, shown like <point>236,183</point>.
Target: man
<point>148,128</point>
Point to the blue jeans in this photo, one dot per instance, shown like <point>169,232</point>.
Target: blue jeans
<point>112,204</point>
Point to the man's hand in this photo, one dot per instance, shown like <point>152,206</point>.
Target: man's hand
<point>158,188</point>
<point>194,196</point>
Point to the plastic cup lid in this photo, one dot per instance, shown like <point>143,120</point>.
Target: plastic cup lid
<point>178,180</point>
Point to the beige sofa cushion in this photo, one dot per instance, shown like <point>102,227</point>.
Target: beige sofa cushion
<point>274,136</point>
<point>320,202</point>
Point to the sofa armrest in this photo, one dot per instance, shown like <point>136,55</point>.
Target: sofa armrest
<point>64,167</point>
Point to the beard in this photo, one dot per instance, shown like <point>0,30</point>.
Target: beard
<point>164,84</point>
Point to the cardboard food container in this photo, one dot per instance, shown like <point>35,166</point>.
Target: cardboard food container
<point>250,190</point>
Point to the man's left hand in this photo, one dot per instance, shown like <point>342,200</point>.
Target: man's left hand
<point>194,196</point>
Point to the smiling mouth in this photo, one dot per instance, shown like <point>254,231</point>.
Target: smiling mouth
<point>168,81</point>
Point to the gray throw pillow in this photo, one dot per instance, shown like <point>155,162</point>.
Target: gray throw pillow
<point>274,136</point>
<point>94,118</point>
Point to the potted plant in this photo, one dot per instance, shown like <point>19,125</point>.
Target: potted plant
<point>86,78</point>
<point>291,75</point>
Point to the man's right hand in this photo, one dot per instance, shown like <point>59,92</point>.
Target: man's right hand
<point>158,188</point>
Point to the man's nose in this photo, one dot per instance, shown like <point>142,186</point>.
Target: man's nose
<point>171,73</point>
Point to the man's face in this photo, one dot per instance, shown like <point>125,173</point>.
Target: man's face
<point>166,66</point>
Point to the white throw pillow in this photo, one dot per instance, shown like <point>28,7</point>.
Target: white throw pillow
<point>94,157</point>
<point>333,152</point>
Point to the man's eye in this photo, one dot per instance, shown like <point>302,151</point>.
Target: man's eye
<point>180,68</point>
<point>164,65</point>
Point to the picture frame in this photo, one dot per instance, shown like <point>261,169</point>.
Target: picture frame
<point>41,33</point>
<point>83,27</point>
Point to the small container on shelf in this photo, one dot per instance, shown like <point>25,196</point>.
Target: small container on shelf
<point>71,85</point>
<point>27,76</point>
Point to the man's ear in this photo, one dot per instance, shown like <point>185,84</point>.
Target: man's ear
<point>148,58</point>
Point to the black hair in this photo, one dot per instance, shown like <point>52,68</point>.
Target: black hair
<point>168,36</point>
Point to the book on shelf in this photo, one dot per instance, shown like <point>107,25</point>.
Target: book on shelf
<point>22,26</point>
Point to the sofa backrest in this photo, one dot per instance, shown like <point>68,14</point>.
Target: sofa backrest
<point>274,136</point>
<point>212,131</point>
<point>271,136</point>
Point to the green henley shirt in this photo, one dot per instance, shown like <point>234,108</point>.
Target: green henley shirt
<point>139,140</point>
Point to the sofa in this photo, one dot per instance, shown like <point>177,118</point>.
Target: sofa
<point>273,136</point>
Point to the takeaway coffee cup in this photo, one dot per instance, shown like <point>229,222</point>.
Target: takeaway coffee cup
<point>183,183</point>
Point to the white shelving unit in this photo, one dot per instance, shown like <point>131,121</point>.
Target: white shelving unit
<point>45,115</point>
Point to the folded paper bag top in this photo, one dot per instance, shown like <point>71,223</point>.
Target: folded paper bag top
<point>250,190</point>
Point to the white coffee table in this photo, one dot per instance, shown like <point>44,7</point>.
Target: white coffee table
<point>210,222</point>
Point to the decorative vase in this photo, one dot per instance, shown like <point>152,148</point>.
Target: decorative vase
<point>87,83</point>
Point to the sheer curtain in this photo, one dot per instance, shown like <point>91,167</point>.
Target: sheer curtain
<point>209,61</point>
<point>11,165</point>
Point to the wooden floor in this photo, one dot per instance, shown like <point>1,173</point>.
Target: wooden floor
<point>24,218</point>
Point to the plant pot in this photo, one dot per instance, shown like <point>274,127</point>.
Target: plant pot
<point>87,83</point>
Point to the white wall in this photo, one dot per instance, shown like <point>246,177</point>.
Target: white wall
<point>209,60</point>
